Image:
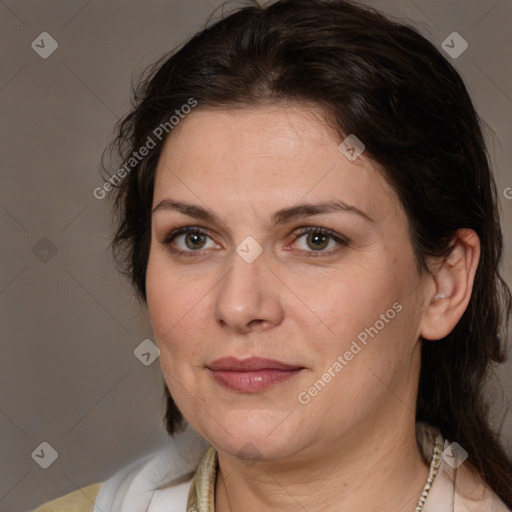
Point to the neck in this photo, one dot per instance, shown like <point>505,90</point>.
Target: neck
<point>361,471</point>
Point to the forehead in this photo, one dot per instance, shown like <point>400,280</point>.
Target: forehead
<point>265,154</point>
<point>274,125</point>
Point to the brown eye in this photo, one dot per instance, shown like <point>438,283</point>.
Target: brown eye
<point>317,241</point>
<point>194,240</point>
<point>189,240</point>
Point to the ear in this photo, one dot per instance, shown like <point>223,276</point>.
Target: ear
<point>453,280</point>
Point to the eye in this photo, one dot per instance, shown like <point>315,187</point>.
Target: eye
<point>188,240</point>
<point>191,240</point>
<point>319,240</point>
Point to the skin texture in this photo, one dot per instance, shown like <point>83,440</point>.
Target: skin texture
<point>299,305</point>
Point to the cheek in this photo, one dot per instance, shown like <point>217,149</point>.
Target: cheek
<point>169,296</point>
<point>372,318</point>
<point>354,302</point>
<point>176,325</point>
<point>170,303</point>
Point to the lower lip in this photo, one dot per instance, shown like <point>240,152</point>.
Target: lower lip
<point>253,381</point>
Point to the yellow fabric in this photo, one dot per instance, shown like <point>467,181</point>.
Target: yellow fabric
<point>201,497</point>
<point>78,501</point>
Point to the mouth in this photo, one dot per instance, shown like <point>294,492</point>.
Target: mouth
<point>251,375</point>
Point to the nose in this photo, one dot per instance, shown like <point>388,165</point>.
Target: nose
<point>247,298</point>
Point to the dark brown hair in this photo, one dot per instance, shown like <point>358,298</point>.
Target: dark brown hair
<point>384,82</point>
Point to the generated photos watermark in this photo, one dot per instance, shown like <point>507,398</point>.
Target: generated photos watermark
<point>304,397</point>
<point>136,157</point>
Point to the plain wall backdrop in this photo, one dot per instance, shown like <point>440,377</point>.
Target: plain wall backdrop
<point>69,322</point>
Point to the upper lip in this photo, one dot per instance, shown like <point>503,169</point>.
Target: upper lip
<point>250,364</point>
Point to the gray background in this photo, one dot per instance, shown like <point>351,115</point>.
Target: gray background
<point>69,323</point>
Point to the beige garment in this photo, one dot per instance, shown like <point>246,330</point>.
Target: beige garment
<point>78,501</point>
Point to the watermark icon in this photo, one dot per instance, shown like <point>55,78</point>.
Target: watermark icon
<point>454,455</point>
<point>454,45</point>
<point>136,157</point>
<point>352,147</point>
<point>304,397</point>
<point>44,249</point>
<point>250,454</point>
<point>507,192</point>
<point>146,352</point>
<point>45,455</point>
<point>44,45</point>
<point>249,249</point>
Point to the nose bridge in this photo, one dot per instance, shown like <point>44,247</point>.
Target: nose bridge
<point>245,295</point>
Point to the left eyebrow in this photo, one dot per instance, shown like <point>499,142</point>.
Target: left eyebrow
<point>309,209</point>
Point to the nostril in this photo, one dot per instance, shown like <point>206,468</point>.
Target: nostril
<point>257,321</point>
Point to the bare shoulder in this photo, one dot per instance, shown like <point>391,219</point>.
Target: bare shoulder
<point>77,501</point>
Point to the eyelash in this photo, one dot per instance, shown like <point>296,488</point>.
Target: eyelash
<point>342,241</point>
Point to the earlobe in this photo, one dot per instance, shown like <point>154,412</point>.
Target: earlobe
<point>453,284</point>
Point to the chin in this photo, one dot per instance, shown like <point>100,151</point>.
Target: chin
<point>253,448</point>
<point>252,434</point>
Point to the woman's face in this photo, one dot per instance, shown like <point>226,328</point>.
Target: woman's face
<point>259,276</point>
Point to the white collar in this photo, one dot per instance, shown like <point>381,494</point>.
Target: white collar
<point>132,489</point>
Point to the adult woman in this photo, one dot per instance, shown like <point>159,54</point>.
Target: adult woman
<point>325,298</point>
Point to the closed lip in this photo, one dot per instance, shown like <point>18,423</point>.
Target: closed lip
<point>251,364</point>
